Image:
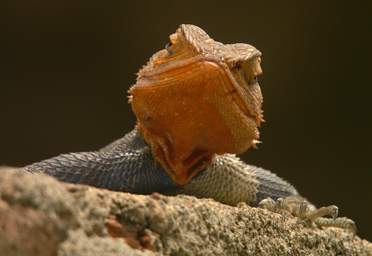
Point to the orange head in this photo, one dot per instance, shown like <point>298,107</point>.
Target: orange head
<point>197,98</point>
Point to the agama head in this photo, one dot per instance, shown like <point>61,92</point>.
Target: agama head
<point>197,98</point>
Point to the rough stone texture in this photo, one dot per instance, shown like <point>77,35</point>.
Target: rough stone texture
<point>41,216</point>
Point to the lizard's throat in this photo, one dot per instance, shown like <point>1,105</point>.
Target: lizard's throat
<point>182,161</point>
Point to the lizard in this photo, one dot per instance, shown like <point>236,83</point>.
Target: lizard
<point>198,104</point>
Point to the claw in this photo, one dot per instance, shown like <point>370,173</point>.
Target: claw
<point>307,213</point>
<point>267,203</point>
<point>303,209</point>
<point>331,210</point>
<point>341,222</point>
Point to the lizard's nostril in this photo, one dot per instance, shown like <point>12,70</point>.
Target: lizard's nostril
<point>254,80</point>
<point>168,48</point>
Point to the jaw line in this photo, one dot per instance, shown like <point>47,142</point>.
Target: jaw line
<point>241,103</point>
<point>240,100</point>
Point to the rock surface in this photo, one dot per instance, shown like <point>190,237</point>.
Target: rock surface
<point>41,216</point>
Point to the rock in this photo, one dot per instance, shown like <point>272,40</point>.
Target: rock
<point>41,216</point>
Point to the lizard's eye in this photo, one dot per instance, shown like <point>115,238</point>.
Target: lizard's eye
<point>168,48</point>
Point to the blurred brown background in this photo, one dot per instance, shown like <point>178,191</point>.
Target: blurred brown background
<point>66,66</point>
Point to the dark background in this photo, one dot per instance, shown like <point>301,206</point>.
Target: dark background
<point>66,67</point>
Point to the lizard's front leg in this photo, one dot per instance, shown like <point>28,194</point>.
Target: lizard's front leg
<point>231,181</point>
<point>308,213</point>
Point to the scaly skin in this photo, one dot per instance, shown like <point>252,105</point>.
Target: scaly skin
<point>128,165</point>
<point>198,98</point>
<point>197,103</point>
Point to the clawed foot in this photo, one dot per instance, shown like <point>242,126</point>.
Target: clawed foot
<point>307,213</point>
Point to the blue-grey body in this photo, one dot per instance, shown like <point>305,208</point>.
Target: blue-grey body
<point>127,165</point>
